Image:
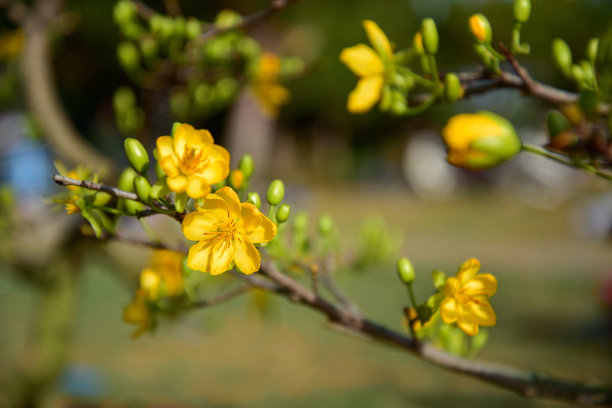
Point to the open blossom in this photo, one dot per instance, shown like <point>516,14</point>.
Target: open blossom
<point>265,85</point>
<point>164,276</point>
<point>369,66</point>
<point>138,313</point>
<point>226,231</point>
<point>467,298</point>
<point>191,160</point>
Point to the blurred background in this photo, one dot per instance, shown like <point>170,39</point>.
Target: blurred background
<point>543,230</point>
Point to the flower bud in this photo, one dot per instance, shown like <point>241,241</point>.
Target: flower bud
<point>227,19</point>
<point>193,28</point>
<point>405,270</point>
<point>126,179</point>
<point>522,10</point>
<point>124,11</point>
<point>101,199</point>
<point>439,279</point>
<point>236,178</point>
<point>452,88</point>
<point>159,172</point>
<point>563,56</point>
<point>300,221</point>
<point>430,36</point>
<point>133,207</point>
<point>254,199</point>
<point>276,192</point>
<point>480,28</point>
<point>578,73</point>
<point>246,165</point>
<point>142,188</point>
<point>148,47</point>
<point>136,155</point>
<point>325,225</point>
<point>159,189</point>
<point>591,51</point>
<point>556,123</point>
<point>480,141</point>
<point>128,56</point>
<point>418,43</point>
<point>175,126</point>
<point>282,214</point>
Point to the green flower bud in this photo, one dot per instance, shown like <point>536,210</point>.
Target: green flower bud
<point>180,202</point>
<point>148,47</point>
<point>128,56</point>
<point>276,192</point>
<point>123,99</point>
<point>522,10</point>
<point>249,48</point>
<point>180,26</point>
<point>452,88</point>
<point>325,225</point>
<point>202,94</point>
<point>300,221</point>
<point>480,28</point>
<point>399,105</point>
<point>159,172</point>
<point>387,99</point>
<point>133,207</point>
<point>227,19</point>
<point>179,104</point>
<point>405,270</point>
<point>159,189</point>
<point>282,214</point>
<point>136,155</point>
<point>563,56</point>
<point>225,88</point>
<point>193,28</point>
<point>430,36</point>
<point>126,179</point>
<point>578,74</point>
<point>439,279</point>
<point>556,123</point>
<point>591,51</point>
<point>142,188</point>
<point>254,199</point>
<point>124,11</point>
<point>101,199</point>
<point>246,166</point>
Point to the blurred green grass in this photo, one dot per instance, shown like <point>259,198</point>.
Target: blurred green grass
<point>549,319</point>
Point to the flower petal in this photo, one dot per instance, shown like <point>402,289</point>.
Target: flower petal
<point>258,227</point>
<point>170,165</point>
<point>177,184</point>
<point>197,187</point>
<point>165,146</point>
<point>199,223</point>
<point>449,310</point>
<point>362,60</point>
<point>482,312</point>
<point>451,287</point>
<point>469,327</point>
<point>468,270</point>
<point>247,257</point>
<point>222,257</point>
<point>217,166</point>
<point>483,284</point>
<point>377,38</point>
<point>366,94</point>
<point>200,256</point>
<point>232,200</point>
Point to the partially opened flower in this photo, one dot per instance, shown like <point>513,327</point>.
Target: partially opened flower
<point>138,313</point>
<point>226,231</point>
<point>467,298</point>
<point>266,87</point>
<point>370,66</point>
<point>164,276</point>
<point>191,160</point>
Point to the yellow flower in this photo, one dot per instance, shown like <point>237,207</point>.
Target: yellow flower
<point>467,298</point>
<point>226,231</point>
<point>236,178</point>
<point>138,313</point>
<point>191,161</point>
<point>164,276</point>
<point>71,206</point>
<point>369,65</point>
<point>266,87</point>
<point>479,141</point>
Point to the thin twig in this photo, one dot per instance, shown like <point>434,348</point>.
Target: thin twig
<point>529,84</point>
<point>116,236</point>
<point>222,298</point>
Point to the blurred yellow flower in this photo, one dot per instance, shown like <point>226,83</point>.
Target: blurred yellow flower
<point>226,231</point>
<point>191,161</point>
<point>480,28</point>
<point>467,298</point>
<point>266,87</point>
<point>236,178</point>
<point>138,313</point>
<point>11,44</point>
<point>480,140</point>
<point>369,65</point>
<point>164,276</point>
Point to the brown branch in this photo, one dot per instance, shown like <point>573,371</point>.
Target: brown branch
<point>526,383</point>
<point>249,20</point>
<point>42,94</point>
<point>222,298</point>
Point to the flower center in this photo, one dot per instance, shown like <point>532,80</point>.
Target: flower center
<point>226,232</point>
<point>192,161</point>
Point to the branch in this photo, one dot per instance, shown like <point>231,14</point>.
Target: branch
<point>42,94</point>
<point>249,20</point>
<point>525,383</point>
<point>222,298</point>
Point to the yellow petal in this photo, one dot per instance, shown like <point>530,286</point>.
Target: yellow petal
<point>197,187</point>
<point>451,287</point>
<point>449,310</point>
<point>483,284</point>
<point>199,223</point>
<point>170,165</point>
<point>482,312</point>
<point>247,257</point>
<point>231,199</point>
<point>222,257</point>
<point>468,270</point>
<point>362,60</point>
<point>365,95</point>
<point>181,136</point>
<point>257,226</point>
<point>200,139</point>
<point>470,328</point>
<point>200,256</point>
<point>150,281</point>
<point>177,184</point>
<point>217,167</point>
<point>165,146</point>
<point>377,37</point>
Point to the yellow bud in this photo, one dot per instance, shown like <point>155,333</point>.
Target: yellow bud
<point>480,28</point>
<point>236,179</point>
<point>418,43</point>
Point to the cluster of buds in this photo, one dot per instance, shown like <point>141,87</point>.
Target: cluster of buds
<point>583,72</point>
